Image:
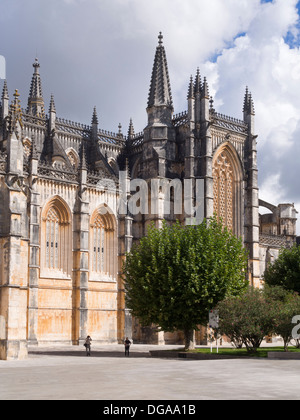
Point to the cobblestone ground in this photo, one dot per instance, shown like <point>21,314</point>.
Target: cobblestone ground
<point>67,374</point>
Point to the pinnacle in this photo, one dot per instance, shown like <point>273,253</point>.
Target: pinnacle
<point>95,117</point>
<point>52,105</point>
<point>191,89</point>
<point>246,100</point>
<point>197,86</point>
<point>120,134</point>
<point>160,90</point>
<point>130,130</point>
<point>34,152</point>
<point>205,90</point>
<point>35,100</point>
<point>15,112</point>
<point>5,91</point>
<point>248,103</point>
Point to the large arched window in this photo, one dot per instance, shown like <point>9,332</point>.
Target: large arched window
<point>227,186</point>
<point>56,239</point>
<point>103,245</point>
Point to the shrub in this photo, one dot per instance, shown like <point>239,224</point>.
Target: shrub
<point>247,319</point>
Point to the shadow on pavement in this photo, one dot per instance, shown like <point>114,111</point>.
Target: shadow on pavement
<point>95,353</point>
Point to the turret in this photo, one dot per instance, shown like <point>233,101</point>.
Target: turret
<point>159,147</point>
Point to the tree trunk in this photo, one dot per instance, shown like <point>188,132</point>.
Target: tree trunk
<point>189,339</point>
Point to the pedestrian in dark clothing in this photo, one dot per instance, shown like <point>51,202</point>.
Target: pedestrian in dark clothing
<point>127,344</point>
<point>87,345</point>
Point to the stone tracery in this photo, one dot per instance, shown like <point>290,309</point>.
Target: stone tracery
<point>223,176</point>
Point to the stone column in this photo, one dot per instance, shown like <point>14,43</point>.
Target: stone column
<point>81,264</point>
<point>206,153</point>
<point>34,251</point>
<point>14,257</point>
<point>125,238</point>
<point>251,196</point>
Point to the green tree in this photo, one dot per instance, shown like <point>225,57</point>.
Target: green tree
<point>285,271</point>
<point>176,274</point>
<point>286,306</point>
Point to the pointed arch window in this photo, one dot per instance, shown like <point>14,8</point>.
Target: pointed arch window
<point>103,245</point>
<point>56,240</point>
<point>227,189</point>
<point>52,239</point>
<point>98,245</point>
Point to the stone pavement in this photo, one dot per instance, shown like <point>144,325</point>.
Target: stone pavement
<point>65,373</point>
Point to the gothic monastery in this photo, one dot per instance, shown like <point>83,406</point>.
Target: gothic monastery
<point>62,237</point>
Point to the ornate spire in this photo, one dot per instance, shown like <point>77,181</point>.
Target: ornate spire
<point>5,101</point>
<point>197,86</point>
<point>205,91</point>
<point>36,104</point>
<point>248,103</point>
<point>251,105</point>
<point>160,90</point>
<point>83,156</point>
<point>5,91</point>
<point>191,94</point>
<point>52,105</point>
<point>15,115</point>
<point>94,127</point>
<point>95,117</point>
<point>120,134</point>
<point>34,153</point>
<point>130,130</point>
<point>246,100</point>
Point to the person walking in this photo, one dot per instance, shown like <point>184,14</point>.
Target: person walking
<point>87,345</point>
<point>127,344</point>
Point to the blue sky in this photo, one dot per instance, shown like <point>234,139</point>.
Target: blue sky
<point>100,53</point>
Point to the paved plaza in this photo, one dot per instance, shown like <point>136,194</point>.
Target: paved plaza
<point>65,373</point>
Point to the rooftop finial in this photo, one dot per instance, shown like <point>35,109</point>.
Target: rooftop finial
<point>130,130</point>
<point>52,104</point>
<point>160,39</point>
<point>36,65</point>
<point>95,117</point>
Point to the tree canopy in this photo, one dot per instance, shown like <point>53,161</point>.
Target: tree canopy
<point>285,271</point>
<point>176,274</point>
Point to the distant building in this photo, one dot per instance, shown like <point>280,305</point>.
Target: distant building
<point>63,238</point>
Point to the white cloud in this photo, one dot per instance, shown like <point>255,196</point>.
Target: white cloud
<point>262,60</point>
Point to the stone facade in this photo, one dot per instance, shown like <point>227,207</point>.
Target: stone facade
<point>62,235</point>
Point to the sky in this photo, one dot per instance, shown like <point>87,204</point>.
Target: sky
<point>101,52</point>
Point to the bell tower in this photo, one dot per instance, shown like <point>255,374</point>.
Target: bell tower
<point>159,135</point>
